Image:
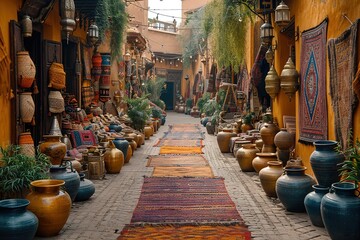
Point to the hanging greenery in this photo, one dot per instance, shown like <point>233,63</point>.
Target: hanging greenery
<point>101,17</point>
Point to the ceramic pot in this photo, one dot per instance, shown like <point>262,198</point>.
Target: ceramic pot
<point>238,144</point>
<point>27,107</point>
<point>26,143</point>
<point>245,156</point>
<point>210,128</point>
<point>246,127</point>
<point>26,70</point>
<point>86,189</point>
<point>71,178</point>
<point>223,139</point>
<point>292,187</point>
<point>268,132</point>
<point>113,158</point>
<point>148,132</point>
<point>312,204</point>
<point>325,161</point>
<point>17,223</point>
<point>284,141</point>
<point>259,144</point>
<point>261,160</point>
<point>141,137</point>
<point>340,211</point>
<point>115,127</point>
<point>269,175</point>
<point>122,145</point>
<point>129,154</point>
<point>54,148</point>
<point>50,204</point>
<point>66,140</point>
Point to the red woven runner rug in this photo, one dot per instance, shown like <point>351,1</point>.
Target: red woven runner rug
<point>176,160</point>
<point>189,171</point>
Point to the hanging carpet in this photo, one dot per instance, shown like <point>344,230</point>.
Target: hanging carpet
<point>312,97</point>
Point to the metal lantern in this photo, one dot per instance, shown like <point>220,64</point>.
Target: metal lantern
<point>93,33</point>
<point>272,82</point>
<point>266,33</point>
<point>127,57</point>
<point>186,77</point>
<point>67,13</point>
<point>26,25</point>
<point>282,14</point>
<point>289,79</point>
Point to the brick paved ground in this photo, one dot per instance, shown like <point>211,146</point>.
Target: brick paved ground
<point>111,207</point>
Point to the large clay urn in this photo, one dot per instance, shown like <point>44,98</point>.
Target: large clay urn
<point>238,144</point>
<point>27,107</point>
<point>50,204</point>
<point>268,132</point>
<point>54,148</point>
<point>269,175</point>
<point>113,158</point>
<point>284,141</point>
<point>148,131</point>
<point>122,145</point>
<point>245,156</point>
<point>223,139</point>
<point>128,154</point>
<point>26,70</point>
<point>261,160</point>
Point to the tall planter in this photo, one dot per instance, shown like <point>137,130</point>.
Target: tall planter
<point>50,204</point>
<point>325,162</point>
<point>312,204</point>
<point>340,211</point>
<point>17,223</point>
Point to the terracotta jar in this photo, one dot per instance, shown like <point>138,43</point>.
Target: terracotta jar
<point>223,139</point>
<point>26,143</point>
<point>50,204</point>
<point>246,127</point>
<point>238,144</point>
<point>113,158</point>
<point>268,132</point>
<point>130,133</point>
<point>54,148</point>
<point>261,160</point>
<point>142,138</point>
<point>259,144</point>
<point>27,107</point>
<point>269,175</point>
<point>284,141</point>
<point>245,156</point>
<point>154,125</point>
<point>128,154</point>
<point>148,132</point>
<point>26,70</point>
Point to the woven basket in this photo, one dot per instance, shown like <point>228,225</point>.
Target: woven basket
<point>57,76</point>
<point>56,102</point>
<point>27,107</point>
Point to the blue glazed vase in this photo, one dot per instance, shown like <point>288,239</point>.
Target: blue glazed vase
<point>340,211</point>
<point>122,144</point>
<point>17,223</point>
<point>105,59</point>
<point>71,178</point>
<point>312,203</point>
<point>163,119</point>
<point>115,127</point>
<point>86,189</point>
<point>292,188</point>
<point>325,162</point>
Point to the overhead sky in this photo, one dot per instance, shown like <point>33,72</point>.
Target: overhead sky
<point>167,9</point>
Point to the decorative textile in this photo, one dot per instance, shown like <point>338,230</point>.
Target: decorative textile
<point>82,138</point>
<point>313,109</point>
<point>180,150</point>
<point>212,79</point>
<point>184,135</point>
<point>179,142</point>
<point>176,160</point>
<point>185,128</point>
<point>185,232</point>
<point>87,94</point>
<point>192,171</point>
<point>184,200</point>
<point>342,57</point>
<point>243,83</point>
<point>356,82</point>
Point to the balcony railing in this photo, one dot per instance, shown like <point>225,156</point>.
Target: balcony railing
<point>163,26</point>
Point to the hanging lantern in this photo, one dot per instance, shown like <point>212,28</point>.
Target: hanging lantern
<point>26,25</point>
<point>93,33</point>
<point>272,82</point>
<point>289,79</point>
<point>266,33</point>
<point>67,13</point>
<point>282,14</point>
<point>127,57</point>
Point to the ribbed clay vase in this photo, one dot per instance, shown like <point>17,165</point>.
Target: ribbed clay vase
<point>312,204</point>
<point>27,107</point>
<point>86,189</point>
<point>50,204</point>
<point>269,175</point>
<point>113,158</point>
<point>284,140</point>
<point>340,211</point>
<point>245,156</point>
<point>325,161</point>
<point>293,187</point>
<point>261,160</point>
<point>54,148</point>
<point>223,139</point>
<point>17,223</point>
<point>268,132</point>
<point>26,70</point>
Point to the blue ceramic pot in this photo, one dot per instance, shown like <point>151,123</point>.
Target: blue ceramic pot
<point>163,119</point>
<point>86,189</point>
<point>292,188</point>
<point>340,211</point>
<point>122,144</point>
<point>312,203</point>
<point>325,162</point>
<point>71,178</point>
<point>15,221</point>
<point>115,127</point>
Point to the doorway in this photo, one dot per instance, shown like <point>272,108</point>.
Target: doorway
<point>168,95</point>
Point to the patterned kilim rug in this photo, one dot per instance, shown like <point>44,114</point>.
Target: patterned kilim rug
<point>179,142</point>
<point>180,150</point>
<point>176,160</point>
<point>184,200</point>
<point>184,135</point>
<point>182,232</point>
<point>185,128</point>
<point>192,171</point>
<point>313,110</point>
<point>342,61</point>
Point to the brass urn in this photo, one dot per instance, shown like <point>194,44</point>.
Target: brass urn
<point>272,82</point>
<point>289,79</point>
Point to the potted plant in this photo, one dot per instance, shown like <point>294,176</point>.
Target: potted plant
<point>189,103</point>
<point>18,170</point>
<point>247,122</point>
<point>139,112</point>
